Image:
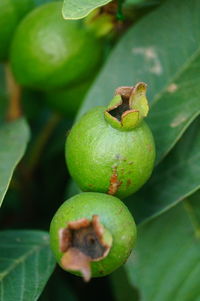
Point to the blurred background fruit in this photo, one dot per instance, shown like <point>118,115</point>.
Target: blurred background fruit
<point>49,52</point>
<point>11,12</point>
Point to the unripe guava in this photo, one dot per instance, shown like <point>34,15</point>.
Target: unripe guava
<point>49,52</point>
<point>92,234</point>
<point>67,101</point>
<point>112,149</point>
<point>11,12</point>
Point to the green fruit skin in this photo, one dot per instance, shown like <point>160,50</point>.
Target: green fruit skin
<point>95,151</point>
<point>114,216</point>
<point>49,52</point>
<point>11,12</point>
<point>68,100</point>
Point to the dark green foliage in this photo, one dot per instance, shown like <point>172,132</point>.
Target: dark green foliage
<point>161,49</point>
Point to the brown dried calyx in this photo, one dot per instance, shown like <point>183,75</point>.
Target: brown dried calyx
<point>82,242</point>
<point>125,93</point>
<point>128,107</point>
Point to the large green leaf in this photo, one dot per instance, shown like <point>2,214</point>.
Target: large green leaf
<point>26,263</point>
<point>166,263</point>
<point>77,9</point>
<point>13,140</point>
<point>122,289</point>
<point>163,50</point>
<point>177,177</point>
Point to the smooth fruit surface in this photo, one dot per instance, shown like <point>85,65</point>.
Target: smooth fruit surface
<point>113,214</point>
<point>68,100</point>
<point>104,159</point>
<point>49,52</point>
<point>11,11</point>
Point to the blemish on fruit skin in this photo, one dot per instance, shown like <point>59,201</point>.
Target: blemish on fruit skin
<point>120,211</point>
<point>128,183</point>
<point>149,147</point>
<point>114,182</point>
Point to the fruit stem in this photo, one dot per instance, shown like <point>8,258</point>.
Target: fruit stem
<point>14,91</point>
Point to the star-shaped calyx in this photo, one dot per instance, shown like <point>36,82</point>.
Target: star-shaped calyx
<point>84,241</point>
<point>128,107</point>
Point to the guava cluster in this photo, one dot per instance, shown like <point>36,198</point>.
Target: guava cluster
<point>110,153</point>
<point>110,150</point>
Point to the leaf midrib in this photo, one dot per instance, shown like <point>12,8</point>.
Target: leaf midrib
<point>20,260</point>
<point>170,206</point>
<point>190,211</point>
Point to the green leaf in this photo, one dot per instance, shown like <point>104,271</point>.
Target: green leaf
<point>168,60</point>
<point>177,177</point>
<point>26,263</point>
<point>142,2</point>
<point>77,9</point>
<point>121,288</point>
<point>166,263</point>
<point>14,137</point>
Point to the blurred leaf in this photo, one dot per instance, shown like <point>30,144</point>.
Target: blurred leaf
<point>194,199</point>
<point>26,263</point>
<point>122,290</point>
<point>71,189</point>
<point>77,9</point>
<point>175,178</point>
<point>167,58</point>
<point>3,98</point>
<point>166,263</point>
<point>142,2</point>
<point>14,137</point>
<point>58,288</point>
<point>41,2</point>
<point>133,2</point>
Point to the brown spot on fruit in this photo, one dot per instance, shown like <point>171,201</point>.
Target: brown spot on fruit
<point>149,147</point>
<point>114,182</point>
<point>128,183</point>
<point>119,212</point>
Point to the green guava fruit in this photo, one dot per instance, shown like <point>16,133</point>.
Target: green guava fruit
<point>92,234</point>
<point>11,12</point>
<point>49,52</point>
<point>112,149</point>
<point>67,101</point>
